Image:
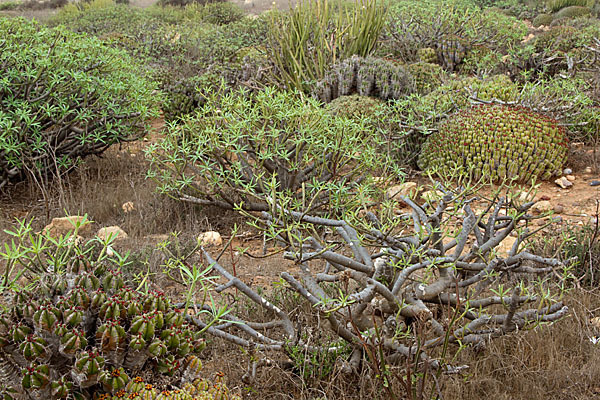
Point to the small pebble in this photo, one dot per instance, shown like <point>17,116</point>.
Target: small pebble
<point>567,171</point>
<point>571,177</point>
<point>558,209</point>
<point>595,183</point>
<point>588,170</point>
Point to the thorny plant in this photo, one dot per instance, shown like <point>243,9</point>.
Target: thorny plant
<point>409,287</point>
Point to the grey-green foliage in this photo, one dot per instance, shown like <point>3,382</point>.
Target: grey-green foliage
<point>64,96</point>
<point>542,19</point>
<point>367,76</point>
<point>556,5</point>
<point>249,151</point>
<point>572,12</point>
<point>414,25</point>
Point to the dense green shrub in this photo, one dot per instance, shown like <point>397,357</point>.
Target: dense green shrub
<point>427,76</point>
<point>572,12</point>
<point>542,19</point>
<point>179,46</point>
<point>222,13</point>
<point>556,5</point>
<point>451,27</point>
<point>182,3</point>
<point>64,96</point>
<point>367,76</point>
<point>497,143</point>
<point>354,106</point>
<point>314,35</point>
<point>247,151</point>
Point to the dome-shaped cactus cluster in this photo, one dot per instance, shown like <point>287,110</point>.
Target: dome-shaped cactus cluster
<point>497,143</point>
<point>86,331</point>
<point>367,76</point>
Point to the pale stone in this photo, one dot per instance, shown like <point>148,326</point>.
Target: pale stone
<point>541,207</point>
<point>571,177</point>
<point>588,170</point>
<point>406,189</point>
<point>432,195</point>
<point>505,246</point>
<point>595,322</point>
<point>524,197</point>
<point>114,232</point>
<point>563,182</point>
<point>210,238</point>
<point>128,207</point>
<point>64,225</point>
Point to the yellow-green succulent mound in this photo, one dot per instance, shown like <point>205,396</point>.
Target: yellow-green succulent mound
<point>496,143</point>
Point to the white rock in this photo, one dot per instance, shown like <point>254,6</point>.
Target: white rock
<point>128,207</point>
<point>432,195</point>
<point>563,182</point>
<point>505,246</point>
<point>541,207</point>
<point>114,232</point>
<point>406,189</point>
<point>64,225</point>
<point>210,238</point>
<point>525,196</point>
<point>588,170</point>
<point>567,171</point>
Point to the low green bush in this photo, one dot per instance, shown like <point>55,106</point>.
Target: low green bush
<point>542,19</point>
<point>180,48</point>
<point>572,12</point>
<point>64,96</point>
<point>451,27</point>
<point>556,5</point>
<point>249,151</point>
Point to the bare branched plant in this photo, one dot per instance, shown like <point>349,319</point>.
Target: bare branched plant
<point>406,291</point>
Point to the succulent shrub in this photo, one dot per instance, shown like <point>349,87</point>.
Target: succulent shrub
<point>354,106</point>
<point>572,12</point>
<point>427,55</point>
<point>368,76</point>
<point>78,328</point>
<point>64,96</point>
<point>245,150</point>
<point>427,76</point>
<point>556,5</point>
<point>542,19</point>
<point>314,35</point>
<point>181,49</point>
<point>182,3</point>
<point>222,13</point>
<point>199,389</point>
<point>450,27</point>
<point>497,143</point>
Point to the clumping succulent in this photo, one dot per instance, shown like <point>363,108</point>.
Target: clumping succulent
<point>497,143</point>
<point>556,5</point>
<point>542,19</point>
<point>367,76</point>
<point>198,389</point>
<point>573,12</point>
<point>354,106</point>
<point>451,50</point>
<point>427,55</point>
<point>428,76</point>
<point>85,331</point>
